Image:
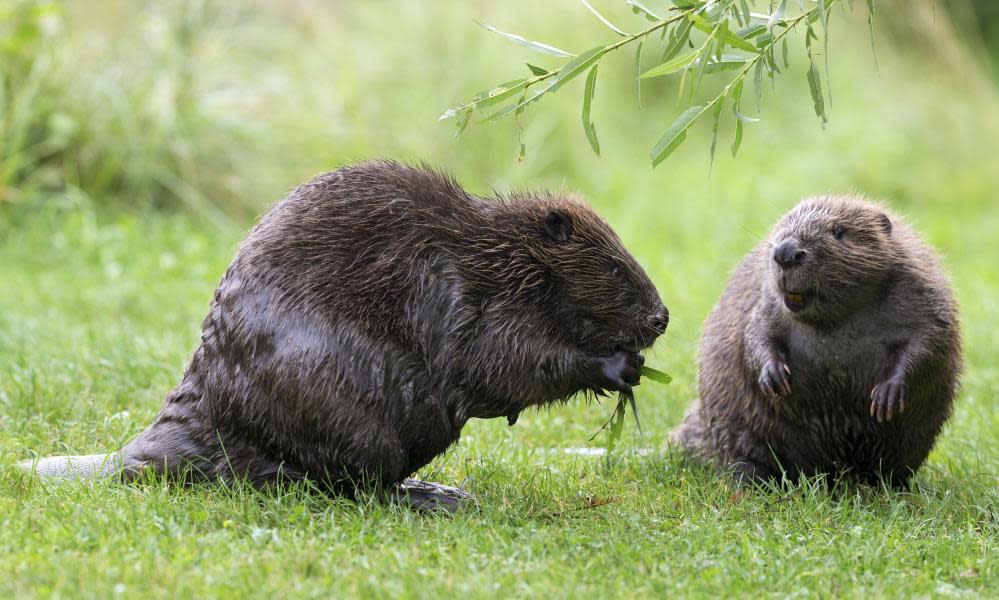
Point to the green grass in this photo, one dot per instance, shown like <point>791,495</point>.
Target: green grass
<point>101,302</point>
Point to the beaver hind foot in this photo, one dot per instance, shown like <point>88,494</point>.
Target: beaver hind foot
<point>431,497</point>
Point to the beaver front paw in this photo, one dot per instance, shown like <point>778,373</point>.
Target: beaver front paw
<point>775,379</point>
<point>887,398</point>
<point>617,372</point>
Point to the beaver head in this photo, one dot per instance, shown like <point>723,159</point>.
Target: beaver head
<point>603,299</point>
<point>831,255</point>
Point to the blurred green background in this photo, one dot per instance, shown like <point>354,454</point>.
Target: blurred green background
<point>139,141</point>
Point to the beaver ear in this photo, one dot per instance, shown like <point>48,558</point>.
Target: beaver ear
<point>558,226</point>
<point>886,223</point>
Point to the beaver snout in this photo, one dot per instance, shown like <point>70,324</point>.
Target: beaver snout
<point>789,254</point>
<point>659,320</point>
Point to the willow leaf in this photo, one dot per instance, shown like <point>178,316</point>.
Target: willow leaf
<point>602,19</point>
<point>675,135</point>
<point>588,90</point>
<point>536,46</point>
<point>815,86</point>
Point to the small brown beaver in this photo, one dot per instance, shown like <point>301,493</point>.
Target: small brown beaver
<point>835,349</point>
<point>373,312</point>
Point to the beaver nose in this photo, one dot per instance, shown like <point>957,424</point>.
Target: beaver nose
<point>659,321</point>
<point>788,254</point>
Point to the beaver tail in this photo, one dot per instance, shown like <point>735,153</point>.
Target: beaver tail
<point>91,466</point>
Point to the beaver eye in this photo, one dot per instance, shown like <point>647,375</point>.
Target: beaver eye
<point>616,271</point>
<point>838,232</point>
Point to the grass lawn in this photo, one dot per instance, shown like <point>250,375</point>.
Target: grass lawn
<point>100,309</point>
<point>98,317</point>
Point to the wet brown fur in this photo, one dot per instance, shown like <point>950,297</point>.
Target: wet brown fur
<point>859,382</point>
<point>375,310</point>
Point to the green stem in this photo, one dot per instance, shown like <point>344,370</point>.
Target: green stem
<point>791,24</point>
<point>539,78</point>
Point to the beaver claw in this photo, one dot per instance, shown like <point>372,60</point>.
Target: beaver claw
<point>887,398</point>
<point>619,371</point>
<point>775,379</point>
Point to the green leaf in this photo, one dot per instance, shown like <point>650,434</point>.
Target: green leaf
<point>824,16</point>
<point>602,19</point>
<point>499,93</point>
<point>634,411</point>
<point>616,423</point>
<point>714,129</point>
<point>733,39</point>
<point>727,62</point>
<point>588,90</point>
<point>679,36</point>
<point>746,15</point>
<point>638,73</point>
<point>758,83</point>
<point>737,103</point>
<point>572,68</point>
<point>576,66</point>
<point>701,66</point>
<point>737,94</point>
<point>654,375</point>
<point>787,64</point>
<point>518,106</point>
<point>537,70</point>
<point>750,31</point>
<point>672,66</point>
<point>675,135</point>
<point>715,11</point>
<point>722,31</point>
<point>777,15</point>
<point>463,123</point>
<point>815,86</point>
<point>640,9</point>
<point>537,46</point>
<point>738,138</point>
<point>730,37</point>
<point>487,97</point>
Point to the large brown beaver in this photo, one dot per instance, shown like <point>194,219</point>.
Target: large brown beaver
<point>835,349</point>
<point>378,308</point>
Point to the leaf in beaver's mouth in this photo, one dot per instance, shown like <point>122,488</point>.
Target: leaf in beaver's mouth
<point>615,424</point>
<point>657,376</point>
